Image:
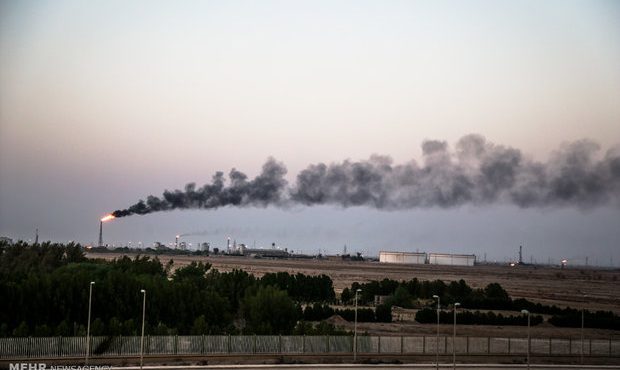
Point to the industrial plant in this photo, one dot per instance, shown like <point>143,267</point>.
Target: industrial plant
<point>420,258</point>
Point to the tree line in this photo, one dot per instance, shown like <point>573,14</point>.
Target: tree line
<point>419,294</point>
<point>45,291</point>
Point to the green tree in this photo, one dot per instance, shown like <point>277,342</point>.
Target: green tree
<point>496,292</point>
<point>195,271</point>
<point>42,331</point>
<point>63,329</point>
<point>97,327</point>
<point>115,327</point>
<point>400,298</point>
<point>21,330</point>
<point>161,329</point>
<point>345,296</point>
<point>129,327</point>
<point>267,310</point>
<point>200,326</point>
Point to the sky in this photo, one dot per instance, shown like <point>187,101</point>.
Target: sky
<point>105,102</point>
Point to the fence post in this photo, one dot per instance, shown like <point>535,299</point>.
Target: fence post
<point>570,345</point>
<point>228,343</point>
<point>202,345</point>
<point>327,339</point>
<point>254,344</point>
<point>550,346</point>
<point>609,346</point>
<point>176,344</point>
<point>445,345</point>
<point>29,346</point>
<point>424,344</point>
<point>379,344</point>
<point>60,346</point>
<point>488,345</point>
<point>280,344</point>
<point>303,344</point>
<point>508,345</point>
<point>401,344</point>
<point>590,349</point>
<point>467,344</point>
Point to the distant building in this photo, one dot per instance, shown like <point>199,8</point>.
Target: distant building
<point>451,259</point>
<point>160,247</point>
<point>380,299</point>
<point>205,247</point>
<point>402,257</point>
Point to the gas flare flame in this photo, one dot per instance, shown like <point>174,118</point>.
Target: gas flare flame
<point>108,218</point>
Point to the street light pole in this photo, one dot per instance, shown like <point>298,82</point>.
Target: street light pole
<point>437,336</point>
<point>355,328</point>
<point>526,312</point>
<point>454,338</point>
<point>142,336</point>
<point>90,299</point>
<point>582,322</point>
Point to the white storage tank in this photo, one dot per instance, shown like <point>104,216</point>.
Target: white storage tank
<point>402,257</point>
<point>451,259</point>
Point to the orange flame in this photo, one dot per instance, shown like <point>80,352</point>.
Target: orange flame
<point>108,218</point>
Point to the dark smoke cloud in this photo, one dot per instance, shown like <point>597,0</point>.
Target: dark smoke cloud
<point>476,172</point>
<point>266,189</point>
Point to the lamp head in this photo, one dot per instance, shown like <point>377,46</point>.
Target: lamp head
<point>457,304</point>
<point>526,312</point>
<point>142,291</point>
<point>92,283</point>
<point>435,296</point>
<point>359,291</point>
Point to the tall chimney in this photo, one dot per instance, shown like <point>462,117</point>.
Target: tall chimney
<point>101,233</point>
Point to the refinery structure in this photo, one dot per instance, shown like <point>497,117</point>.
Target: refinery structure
<point>232,248</point>
<point>421,258</point>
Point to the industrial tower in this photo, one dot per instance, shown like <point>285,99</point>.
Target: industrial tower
<point>101,233</point>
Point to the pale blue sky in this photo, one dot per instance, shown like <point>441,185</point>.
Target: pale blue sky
<point>105,102</point>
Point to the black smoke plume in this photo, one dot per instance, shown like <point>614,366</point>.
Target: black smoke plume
<point>266,189</point>
<point>476,172</point>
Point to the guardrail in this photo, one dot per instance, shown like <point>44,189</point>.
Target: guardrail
<point>52,347</point>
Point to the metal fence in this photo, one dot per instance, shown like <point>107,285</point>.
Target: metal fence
<point>53,347</point>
